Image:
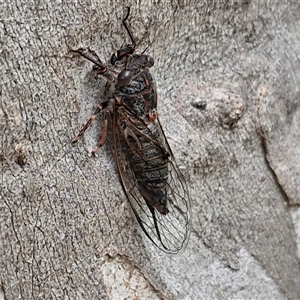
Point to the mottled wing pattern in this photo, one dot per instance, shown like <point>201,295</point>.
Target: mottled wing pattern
<point>168,232</point>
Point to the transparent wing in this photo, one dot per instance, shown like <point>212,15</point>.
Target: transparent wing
<point>169,232</point>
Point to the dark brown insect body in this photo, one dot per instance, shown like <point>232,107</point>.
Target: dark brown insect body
<point>147,170</point>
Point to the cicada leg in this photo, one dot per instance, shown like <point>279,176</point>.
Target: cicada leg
<point>99,109</point>
<point>103,135</point>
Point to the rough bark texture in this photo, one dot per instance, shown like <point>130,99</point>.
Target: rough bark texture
<point>228,84</point>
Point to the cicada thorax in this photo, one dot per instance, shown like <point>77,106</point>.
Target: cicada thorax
<point>139,96</point>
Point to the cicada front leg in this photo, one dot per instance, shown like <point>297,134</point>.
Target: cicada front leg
<point>110,76</point>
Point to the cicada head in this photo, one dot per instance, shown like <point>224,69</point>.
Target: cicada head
<point>133,65</point>
<point>121,53</point>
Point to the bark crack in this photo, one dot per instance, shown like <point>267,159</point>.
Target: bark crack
<point>263,140</point>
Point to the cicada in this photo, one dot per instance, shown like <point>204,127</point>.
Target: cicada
<point>150,177</point>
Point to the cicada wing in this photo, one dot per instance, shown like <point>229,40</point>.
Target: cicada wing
<point>169,232</point>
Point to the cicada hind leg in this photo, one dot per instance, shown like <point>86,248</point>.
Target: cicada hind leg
<point>102,108</point>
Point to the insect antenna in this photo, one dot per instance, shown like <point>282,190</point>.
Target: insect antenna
<point>127,27</point>
<point>148,47</point>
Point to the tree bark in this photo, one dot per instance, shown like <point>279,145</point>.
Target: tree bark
<point>227,75</point>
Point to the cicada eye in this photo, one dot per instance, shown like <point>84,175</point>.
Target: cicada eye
<point>150,61</point>
<point>124,77</point>
<point>145,61</point>
<point>114,58</point>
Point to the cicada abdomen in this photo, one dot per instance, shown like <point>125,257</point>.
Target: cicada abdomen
<point>149,175</point>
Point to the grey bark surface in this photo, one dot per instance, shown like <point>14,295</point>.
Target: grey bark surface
<point>228,77</point>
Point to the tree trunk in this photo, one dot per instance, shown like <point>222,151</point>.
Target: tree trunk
<point>227,75</point>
